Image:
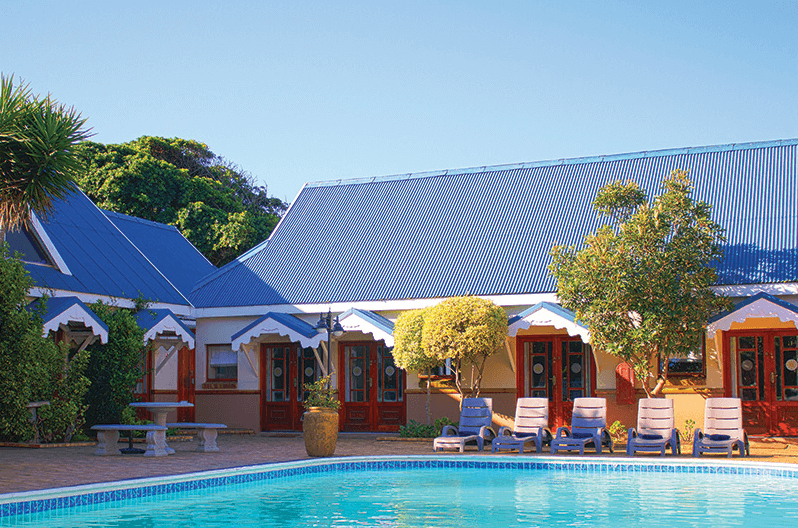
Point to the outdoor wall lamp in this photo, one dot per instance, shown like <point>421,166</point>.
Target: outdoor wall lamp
<point>331,328</point>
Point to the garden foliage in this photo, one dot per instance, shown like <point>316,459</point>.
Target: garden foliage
<point>408,349</point>
<point>642,283</point>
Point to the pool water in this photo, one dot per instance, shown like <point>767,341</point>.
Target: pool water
<point>460,498</point>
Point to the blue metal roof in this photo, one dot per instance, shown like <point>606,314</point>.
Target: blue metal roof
<point>374,318</point>
<point>750,300</point>
<point>545,305</point>
<point>166,248</point>
<point>147,318</point>
<point>102,261</point>
<point>489,230</point>
<point>56,306</point>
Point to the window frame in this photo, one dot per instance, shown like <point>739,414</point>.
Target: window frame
<point>208,362</point>
<point>690,375</point>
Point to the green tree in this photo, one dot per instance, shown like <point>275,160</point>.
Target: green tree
<point>181,182</point>
<point>115,367</point>
<point>465,330</point>
<point>408,349</point>
<point>37,153</point>
<point>642,283</point>
<point>32,367</point>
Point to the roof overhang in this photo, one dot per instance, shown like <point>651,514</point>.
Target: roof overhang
<point>761,305</point>
<point>548,314</point>
<point>65,310</point>
<point>280,324</point>
<point>356,320</point>
<point>164,325</point>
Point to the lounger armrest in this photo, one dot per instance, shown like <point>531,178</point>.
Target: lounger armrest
<point>505,431</point>
<point>449,430</point>
<point>631,433</point>
<point>486,433</point>
<point>563,432</point>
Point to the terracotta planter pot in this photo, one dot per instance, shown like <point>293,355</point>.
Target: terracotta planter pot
<point>320,429</point>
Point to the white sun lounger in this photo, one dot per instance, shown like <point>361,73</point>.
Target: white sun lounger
<point>587,428</point>
<point>531,427</point>
<point>655,428</point>
<point>723,428</point>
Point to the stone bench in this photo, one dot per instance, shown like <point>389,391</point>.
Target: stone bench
<point>206,434</point>
<point>108,437</point>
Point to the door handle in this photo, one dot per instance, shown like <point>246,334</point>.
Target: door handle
<point>772,378</point>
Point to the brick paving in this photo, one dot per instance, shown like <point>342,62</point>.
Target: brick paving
<point>34,469</point>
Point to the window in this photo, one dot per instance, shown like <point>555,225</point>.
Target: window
<point>28,247</point>
<point>222,363</point>
<point>692,366</point>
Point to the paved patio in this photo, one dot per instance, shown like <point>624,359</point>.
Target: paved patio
<point>32,469</point>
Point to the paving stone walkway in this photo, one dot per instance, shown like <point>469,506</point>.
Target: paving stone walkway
<point>34,469</point>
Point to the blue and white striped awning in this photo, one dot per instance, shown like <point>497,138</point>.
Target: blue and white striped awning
<point>548,314</point>
<point>64,310</point>
<point>278,323</point>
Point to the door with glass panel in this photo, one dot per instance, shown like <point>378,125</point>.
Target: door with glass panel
<point>764,366</point>
<point>372,388</point>
<point>285,369</point>
<point>558,368</point>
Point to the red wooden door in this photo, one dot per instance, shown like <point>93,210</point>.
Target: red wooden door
<point>372,388</point>
<point>185,383</point>
<point>284,371</point>
<point>765,370</point>
<point>554,367</point>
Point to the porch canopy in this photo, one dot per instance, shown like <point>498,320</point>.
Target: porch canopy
<point>163,325</point>
<point>757,306</point>
<point>74,317</point>
<point>548,314</point>
<point>356,320</point>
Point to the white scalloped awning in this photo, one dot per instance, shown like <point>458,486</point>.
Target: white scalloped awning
<point>761,305</point>
<point>356,320</point>
<point>156,323</point>
<point>548,314</point>
<point>282,324</point>
<point>65,310</point>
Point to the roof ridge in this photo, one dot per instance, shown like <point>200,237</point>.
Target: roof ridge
<point>561,161</point>
<point>132,218</point>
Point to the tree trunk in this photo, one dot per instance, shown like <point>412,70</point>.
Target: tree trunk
<point>429,382</point>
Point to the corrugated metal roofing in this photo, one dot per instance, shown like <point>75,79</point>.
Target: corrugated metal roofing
<point>488,231</point>
<point>59,310</point>
<point>101,259</point>
<point>166,248</point>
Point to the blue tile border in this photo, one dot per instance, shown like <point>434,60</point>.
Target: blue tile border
<point>28,503</point>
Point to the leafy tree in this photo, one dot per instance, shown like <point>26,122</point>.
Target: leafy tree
<point>465,330</point>
<point>642,283</point>
<point>408,349</point>
<point>32,367</point>
<point>181,182</point>
<point>37,156</point>
<point>115,367</point>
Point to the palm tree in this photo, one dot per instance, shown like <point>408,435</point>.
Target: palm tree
<point>37,160</point>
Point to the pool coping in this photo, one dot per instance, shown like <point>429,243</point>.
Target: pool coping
<point>40,501</point>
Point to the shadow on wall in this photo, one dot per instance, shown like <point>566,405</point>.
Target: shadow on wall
<point>749,264</point>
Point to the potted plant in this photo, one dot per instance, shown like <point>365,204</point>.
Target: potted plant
<point>320,420</point>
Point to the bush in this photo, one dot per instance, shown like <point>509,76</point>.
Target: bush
<point>414,429</point>
<point>32,367</point>
<point>114,368</point>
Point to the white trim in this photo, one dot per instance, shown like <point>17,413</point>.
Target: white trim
<point>352,322</point>
<point>77,314</point>
<point>44,238</point>
<point>758,309</point>
<point>545,317</point>
<point>91,298</point>
<point>749,290</point>
<point>270,326</point>
<point>169,323</point>
<point>373,306</point>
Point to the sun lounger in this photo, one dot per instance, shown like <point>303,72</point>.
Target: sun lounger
<point>655,428</point>
<point>588,424</point>
<point>723,428</point>
<point>475,419</point>
<point>531,427</point>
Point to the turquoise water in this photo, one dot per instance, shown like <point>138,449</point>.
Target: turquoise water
<point>461,498</point>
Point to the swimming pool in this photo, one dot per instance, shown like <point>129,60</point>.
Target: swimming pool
<point>432,491</point>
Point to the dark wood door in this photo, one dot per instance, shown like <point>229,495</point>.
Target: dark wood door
<point>372,388</point>
<point>765,369</point>
<point>285,369</point>
<point>554,367</point>
<point>186,383</point>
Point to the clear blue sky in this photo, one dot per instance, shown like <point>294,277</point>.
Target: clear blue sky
<point>304,91</point>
